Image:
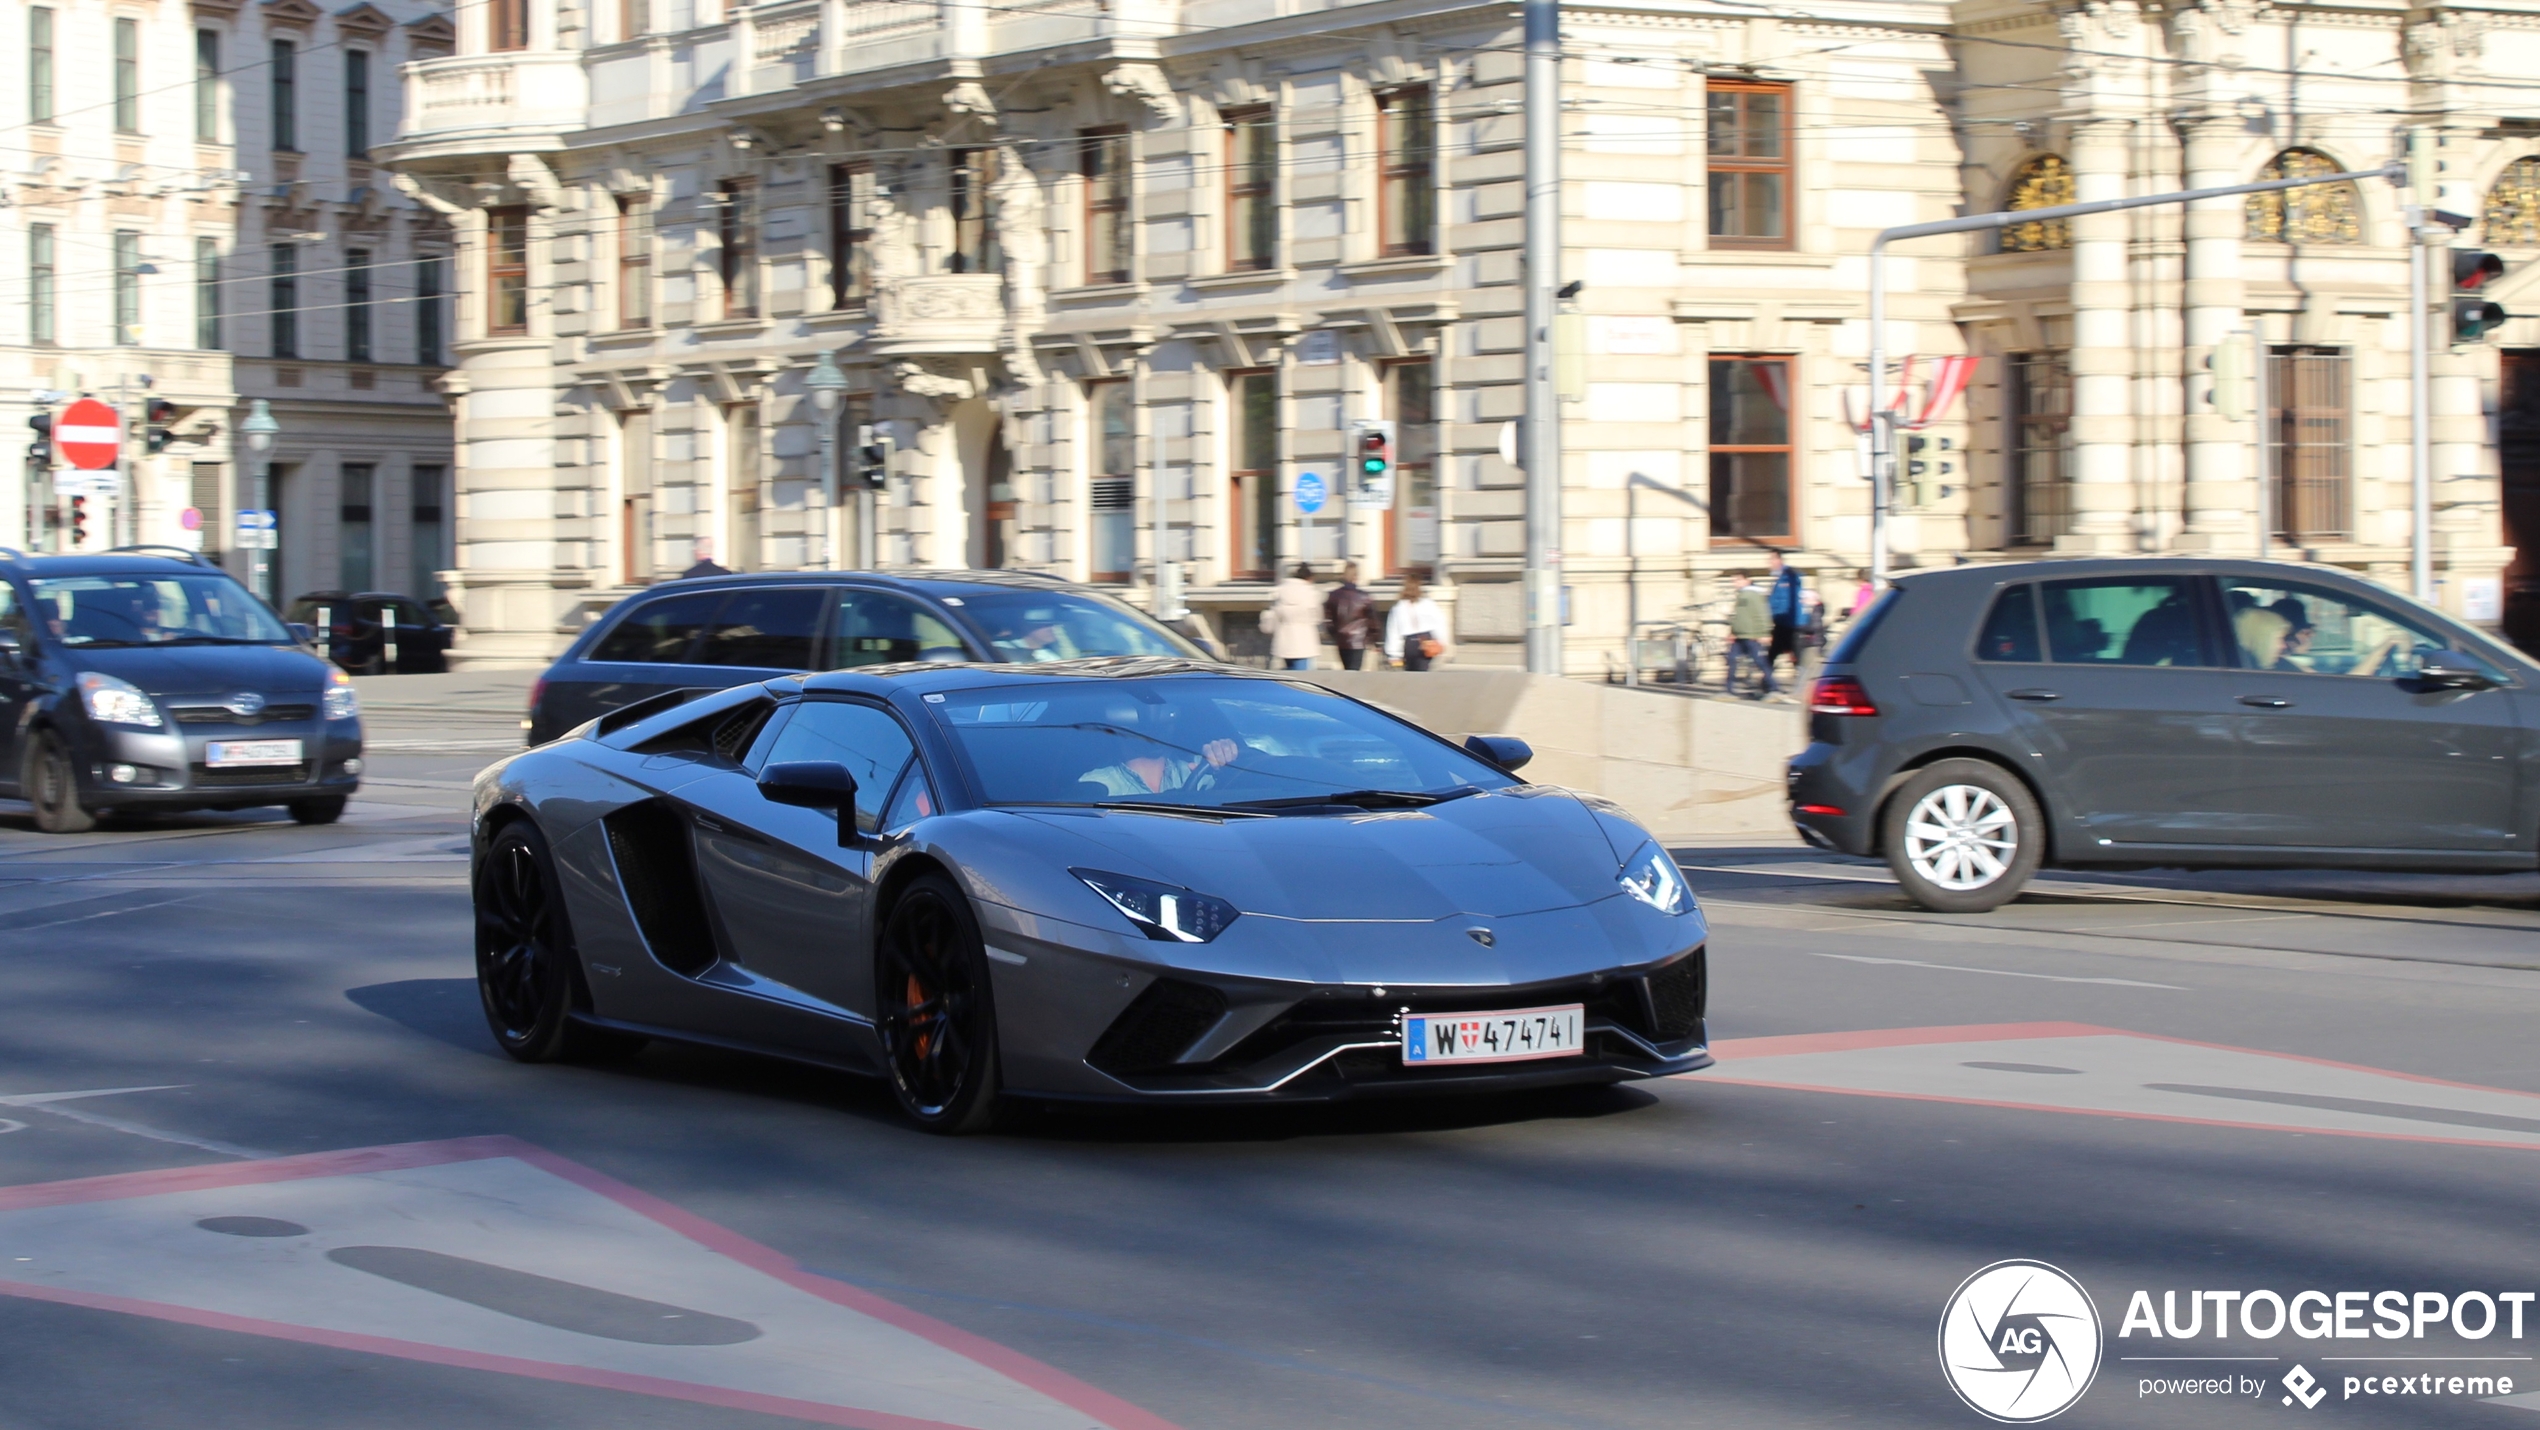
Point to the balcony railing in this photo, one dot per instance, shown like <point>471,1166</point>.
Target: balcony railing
<point>495,94</point>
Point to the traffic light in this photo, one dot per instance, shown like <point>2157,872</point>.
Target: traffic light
<point>1371,458</point>
<point>40,451</point>
<point>872,469</point>
<point>2475,271</point>
<point>79,521</point>
<point>159,416</point>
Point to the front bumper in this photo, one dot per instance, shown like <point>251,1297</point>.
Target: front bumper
<point>170,766</point>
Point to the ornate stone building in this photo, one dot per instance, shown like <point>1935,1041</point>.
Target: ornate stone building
<point>1116,275</point>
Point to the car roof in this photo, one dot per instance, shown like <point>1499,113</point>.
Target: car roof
<point>2068,568</point>
<point>919,678</point>
<point>105,564</point>
<point>940,583</point>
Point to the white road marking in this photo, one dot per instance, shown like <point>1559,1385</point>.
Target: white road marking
<point>45,1102</point>
<point>100,914</point>
<point>1996,972</point>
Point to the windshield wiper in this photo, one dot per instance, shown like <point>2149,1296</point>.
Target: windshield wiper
<point>199,639</point>
<point>1196,811</point>
<point>1362,798</point>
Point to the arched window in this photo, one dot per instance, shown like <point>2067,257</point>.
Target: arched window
<point>2041,183</point>
<point>2326,213</point>
<point>2513,206</point>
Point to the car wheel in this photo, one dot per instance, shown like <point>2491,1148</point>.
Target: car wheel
<point>52,787</point>
<point>526,970</point>
<point>937,1022</point>
<point>324,810</point>
<point>1963,836</point>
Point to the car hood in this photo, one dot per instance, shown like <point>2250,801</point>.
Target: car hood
<point>1496,854</point>
<point>205,669</point>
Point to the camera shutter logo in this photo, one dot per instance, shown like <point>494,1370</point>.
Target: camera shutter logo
<point>2019,1342</point>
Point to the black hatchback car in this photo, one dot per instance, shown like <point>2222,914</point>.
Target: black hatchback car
<point>711,632</point>
<point>1979,722</point>
<point>130,681</point>
<point>376,632</point>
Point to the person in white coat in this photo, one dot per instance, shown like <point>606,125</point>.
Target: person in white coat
<point>1294,620</point>
<point>1415,629</point>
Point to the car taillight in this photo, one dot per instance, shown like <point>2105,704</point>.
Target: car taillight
<point>537,692</point>
<point>1840,695</point>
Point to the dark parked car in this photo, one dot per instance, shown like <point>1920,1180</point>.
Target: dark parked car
<point>375,632</point>
<point>1982,721</point>
<point>1158,880</point>
<point>132,681</point>
<point>718,631</point>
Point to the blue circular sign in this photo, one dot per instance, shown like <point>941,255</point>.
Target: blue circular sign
<point>1310,493</point>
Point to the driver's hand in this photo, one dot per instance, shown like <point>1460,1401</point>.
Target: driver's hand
<point>1220,752</point>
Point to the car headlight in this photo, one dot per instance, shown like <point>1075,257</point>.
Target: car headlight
<point>1651,877</point>
<point>1164,912</point>
<point>342,702</point>
<point>116,702</point>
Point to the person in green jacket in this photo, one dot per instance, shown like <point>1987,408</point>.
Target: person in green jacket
<point>1750,625</point>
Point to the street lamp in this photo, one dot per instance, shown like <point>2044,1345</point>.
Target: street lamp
<point>828,386</point>
<point>260,430</point>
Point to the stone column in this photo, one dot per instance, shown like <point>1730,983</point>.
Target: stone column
<point>2102,474</point>
<point>509,588</point>
<point>2221,461</point>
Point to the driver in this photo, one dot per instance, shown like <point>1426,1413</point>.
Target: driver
<point>1169,766</point>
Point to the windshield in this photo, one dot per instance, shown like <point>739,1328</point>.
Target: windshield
<point>1031,626</point>
<point>1205,741</point>
<point>154,610</point>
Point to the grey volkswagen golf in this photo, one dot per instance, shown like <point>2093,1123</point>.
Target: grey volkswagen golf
<point>1980,722</point>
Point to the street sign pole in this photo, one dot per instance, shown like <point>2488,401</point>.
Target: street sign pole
<point>1542,432</point>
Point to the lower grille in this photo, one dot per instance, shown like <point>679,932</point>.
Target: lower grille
<point>205,777</point>
<point>1158,1026</point>
<point>1676,992</point>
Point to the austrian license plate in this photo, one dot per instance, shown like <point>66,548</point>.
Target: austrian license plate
<point>235,754</point>
<point>1504,1037</point>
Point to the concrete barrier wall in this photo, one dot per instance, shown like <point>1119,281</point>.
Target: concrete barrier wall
<point>1686,767</point>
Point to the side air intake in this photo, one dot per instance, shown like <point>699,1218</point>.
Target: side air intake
<point>1158,1026</point>
<point>658,873</point>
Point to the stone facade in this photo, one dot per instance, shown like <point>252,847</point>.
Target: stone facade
<point>1115,276</point>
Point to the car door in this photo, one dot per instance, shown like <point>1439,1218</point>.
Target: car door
<point>793,901</point>
<point>2116,686</point>
<point>2340,747</point>
<point>638,655</point>
<point>17,677</point>
<point>886,628</point>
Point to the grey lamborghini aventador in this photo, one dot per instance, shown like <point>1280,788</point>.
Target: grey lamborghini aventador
<point>1129,879</point>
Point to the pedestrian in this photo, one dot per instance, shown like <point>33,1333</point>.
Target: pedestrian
<point>1783,595</point>
<point>704,550</point>
<point>1862,596</point>
<point>1812,636</point>
<point>1415,629</point>
<point>1345,618</point>
<point>1293,620</point>
<point>1750,626</point>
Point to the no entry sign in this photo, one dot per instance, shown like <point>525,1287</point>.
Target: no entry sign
<point>89,434</point>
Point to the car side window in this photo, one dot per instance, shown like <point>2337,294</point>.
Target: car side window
<point>878,628</point>
<point>868,741</point>
<point>772,627</point>
<point>13,615</point>
<point>2010,630</point>
<point>660,630</point>
<point>914,801</point>
<point>2316,630</point>
<point>2122,620</point>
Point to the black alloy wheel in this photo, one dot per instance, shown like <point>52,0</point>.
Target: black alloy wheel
<point>325,809</point>
<point>526,970</point>
<point>49,783</point>
<point>936,1019</point>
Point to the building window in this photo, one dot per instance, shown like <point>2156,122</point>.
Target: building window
<point>1749,134</point>
<point>429,541</point>
<point>742,472</point>
<point>2308,436</point>
<point>207,86</point>
<point>356,104</point>
<point>207,293</point>
<point>357,304</point>
<point>355,569</point>
<point>2044,182</point>
<point>284,77</point>
<point>634,260</point>
<point>736,206</point>
<point>1252,178</point>
<point>1102,157</point>
<point>507,25</point>
<point>127,76</point>
<point>285,304</point>
<point>1411,524</point>
<point>39,64</point>
<point>850,235</point>
<point>428,311</point>
<point>634,19</point>
<point>204,493</point>
<point>127,287</point>
<point>1113,491</point>
<point>2321,213</point>
<point>974,249</point>
<point>1252,475</point>
<point>1406,161</point>
<point>2037,499</point>
<point>1750,449</point>
<point>507,270</point>
<point>39,284</point>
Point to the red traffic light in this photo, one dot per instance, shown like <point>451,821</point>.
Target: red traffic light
<point>2472,269</point>
<point>161,412</point>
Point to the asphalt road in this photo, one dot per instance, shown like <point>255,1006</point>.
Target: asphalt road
<point>2108,1076</point>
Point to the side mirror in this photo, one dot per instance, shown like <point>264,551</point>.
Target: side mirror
<point>813,784</point>
<point>1506,751</point>
<point>303,632</point>
<point>2450,670</point>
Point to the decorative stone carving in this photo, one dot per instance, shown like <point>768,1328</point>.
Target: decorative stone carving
<point>938,313</point>
<point>921,380</point>
<point>1147,85</point>
<point>970,100</point>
